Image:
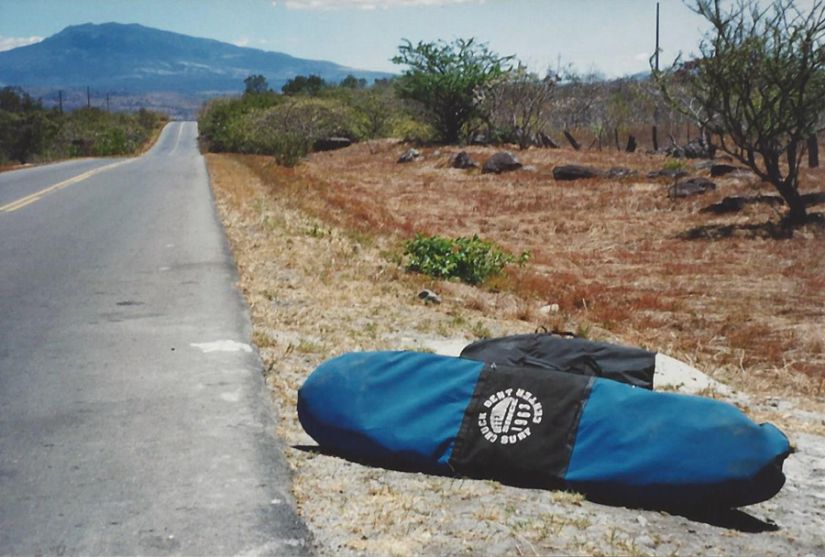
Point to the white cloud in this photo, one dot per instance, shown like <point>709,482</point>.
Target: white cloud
<point>365,4</point>
<point>243,41</point>
<point>8,43</point>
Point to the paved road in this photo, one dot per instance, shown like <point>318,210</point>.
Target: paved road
<point>133,416</point>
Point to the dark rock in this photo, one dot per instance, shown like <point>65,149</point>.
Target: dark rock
<point>728,205</point>
<point>692,150</point>
<point>736,203</point>
<point>331,143</point>
<point>429,297</point>
<point>690,187</point>
<point>409,156</point>
<point>501,162</point>
<point>698,150</point>
<point>668,173</point>
<point>721,169</point>
<point>575,172</point>
<point>729,170</point>
<point>620,172</point>
<point>463,161</point>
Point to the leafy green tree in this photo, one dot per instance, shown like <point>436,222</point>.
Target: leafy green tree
<point>446,78</point>
<point>376,106</point>
<point>311,85</point>
<point>15,99</point>
<point>352,82</point>
<point>26,128</point>
<point>255,85</point>
<point>759,87</point>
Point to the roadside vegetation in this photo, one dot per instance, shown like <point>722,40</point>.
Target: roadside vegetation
<point>31,133</point>
<point>727,279</point>
<point>469,259</point>
<point>450,93</point>
<point>335,250</point>
<point>289,125</point>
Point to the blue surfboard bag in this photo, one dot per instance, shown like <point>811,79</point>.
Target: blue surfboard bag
<point>614,442</point>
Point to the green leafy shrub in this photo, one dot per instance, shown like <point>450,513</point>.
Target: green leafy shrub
<point>281,126</point>
<point>94,132</point>
<point>290,147</point>
<point>29,132</point>
<point>411,130</point>
<point>469,259</point>
<point>673,164</point>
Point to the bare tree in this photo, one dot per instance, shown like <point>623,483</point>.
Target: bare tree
<point>579,98</point>
<point>516,104</point>
<point>759,87</point>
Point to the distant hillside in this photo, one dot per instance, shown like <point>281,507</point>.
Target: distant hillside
<point>133,60</point>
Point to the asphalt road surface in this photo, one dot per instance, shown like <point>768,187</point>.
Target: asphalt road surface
<point>133,415</point>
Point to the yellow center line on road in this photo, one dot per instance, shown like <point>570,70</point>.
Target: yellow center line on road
<point>37,196</point>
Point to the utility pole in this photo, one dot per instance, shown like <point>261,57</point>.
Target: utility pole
<point>107,102</point>
<point>88,97</point>
<point>657,37</point>
<point>656,66</point>
<point>60,100</point>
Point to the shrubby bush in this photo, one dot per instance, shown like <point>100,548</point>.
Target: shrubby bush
<point>469,259</point>
<point>220,122</point>
<point>286,129</point>
<point>97,133</point>
<point>286,126</point>
<point>29,132</point>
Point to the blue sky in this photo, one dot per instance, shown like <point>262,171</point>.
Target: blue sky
<point>615,37</point>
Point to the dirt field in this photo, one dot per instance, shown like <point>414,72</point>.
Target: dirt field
<point>318,248</point>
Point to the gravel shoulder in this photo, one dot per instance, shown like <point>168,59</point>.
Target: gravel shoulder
<point>316,291</point>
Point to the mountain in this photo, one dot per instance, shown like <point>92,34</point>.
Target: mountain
<point>136,60</point>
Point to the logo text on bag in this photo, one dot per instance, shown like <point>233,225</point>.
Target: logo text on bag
<point>507,416</point>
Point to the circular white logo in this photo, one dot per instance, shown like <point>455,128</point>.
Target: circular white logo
<point>507,416</point>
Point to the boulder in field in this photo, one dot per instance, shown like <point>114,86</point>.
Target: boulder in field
<point>429,297</point>
<point>463,161</point>
<point>331,143</point>
<point>690,187</point>
<point>668,173</point>
<point>728,169</point>
<point>620,172</point>
<point>575,172</point>
<point>502,161</point>
<point>409,156</point>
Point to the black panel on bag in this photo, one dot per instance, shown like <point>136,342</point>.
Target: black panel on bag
<point>633,366</point>
<point>520,425</point>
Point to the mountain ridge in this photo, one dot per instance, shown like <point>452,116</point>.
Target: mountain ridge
<point>129,58</point>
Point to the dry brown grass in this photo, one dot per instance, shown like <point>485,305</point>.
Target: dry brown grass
<point>610,253</point>
<point>317,250</point>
